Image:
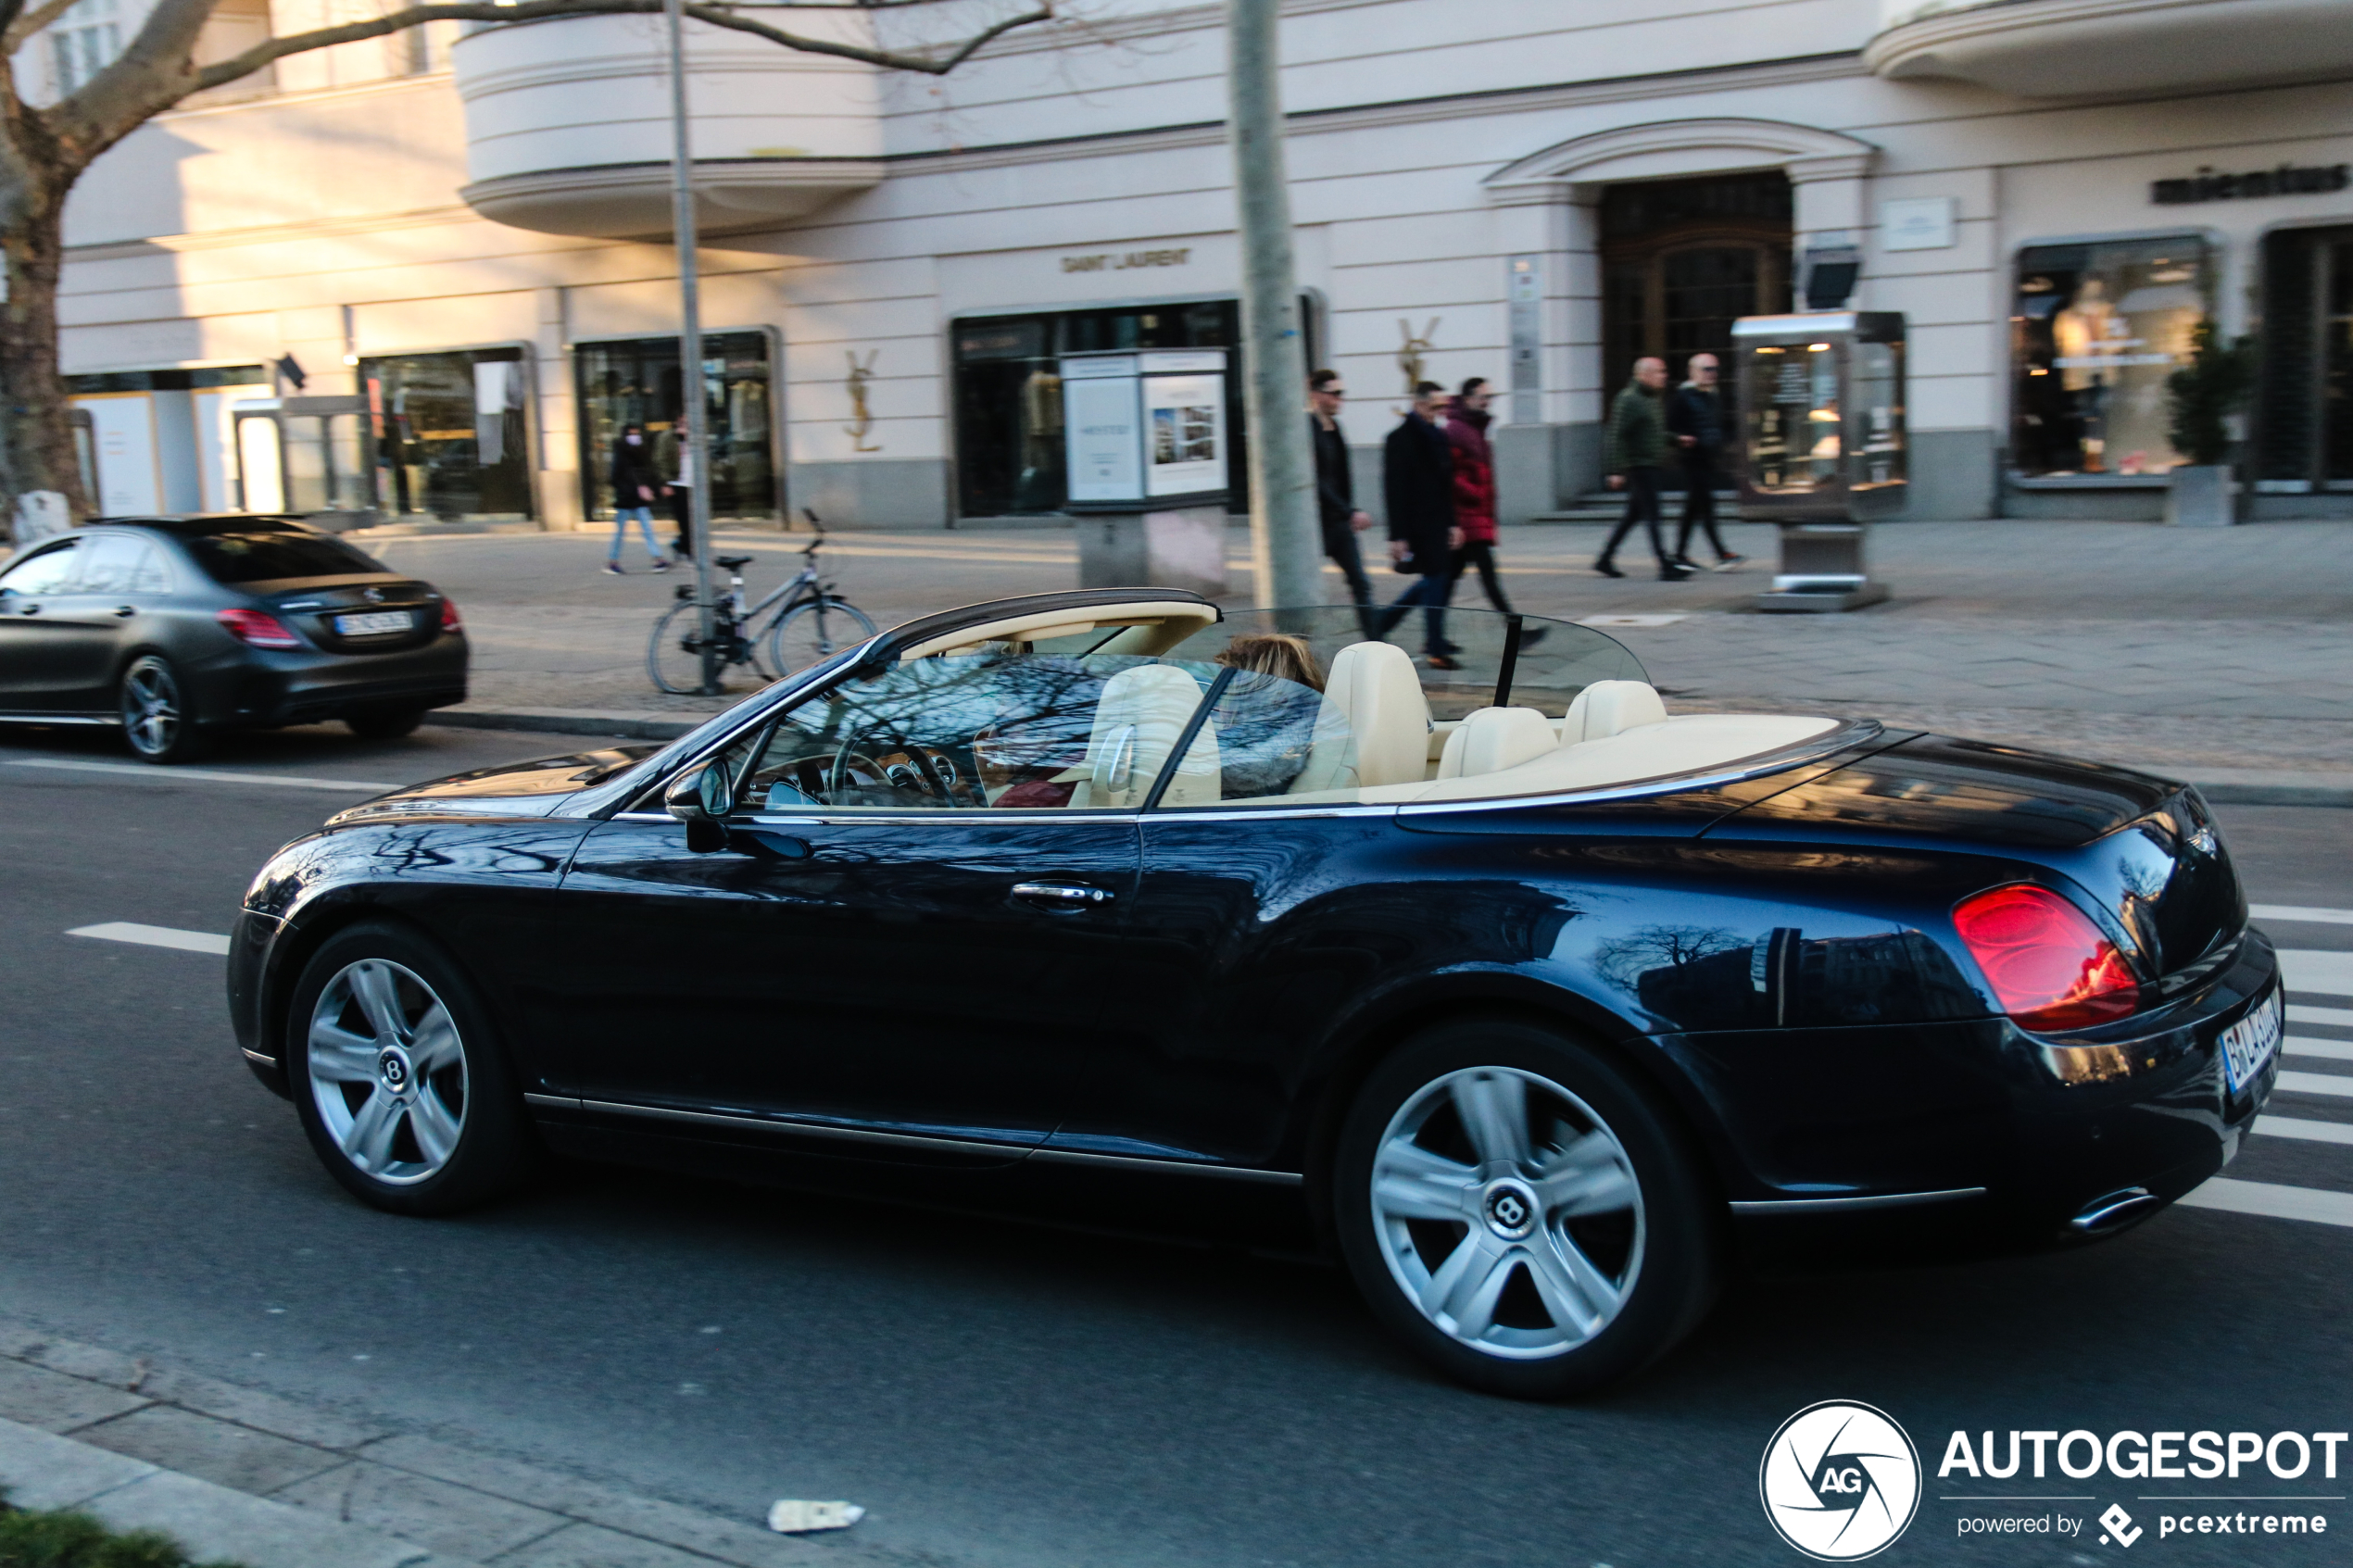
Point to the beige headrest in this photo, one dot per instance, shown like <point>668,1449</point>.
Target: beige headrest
<point>1496,738</point>
<point>1610,708</point>
<point>1375,686</point>
<point>1137,722</point>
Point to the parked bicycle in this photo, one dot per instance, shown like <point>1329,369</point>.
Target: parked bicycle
<point>810,622</point>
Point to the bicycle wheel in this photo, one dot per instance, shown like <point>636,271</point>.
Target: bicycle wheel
<point>674,655</point>
<point>819,629</point>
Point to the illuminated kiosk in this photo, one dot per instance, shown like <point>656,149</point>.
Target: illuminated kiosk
<point>1819,398</point>
<point>1144,442</point>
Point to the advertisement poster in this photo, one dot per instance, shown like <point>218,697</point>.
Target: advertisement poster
<point>1100,435</point>
<point>1185,434</point>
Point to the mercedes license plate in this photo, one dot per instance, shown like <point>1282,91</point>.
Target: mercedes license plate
<point>373,622</point>
<point>2252,1041</point>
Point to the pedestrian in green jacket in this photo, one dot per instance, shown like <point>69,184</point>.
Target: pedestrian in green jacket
<point>1636,459</point>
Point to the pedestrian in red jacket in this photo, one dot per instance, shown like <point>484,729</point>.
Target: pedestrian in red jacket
<point>1466,424</point>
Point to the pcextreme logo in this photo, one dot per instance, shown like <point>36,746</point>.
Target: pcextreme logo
<point>1840,1481</point>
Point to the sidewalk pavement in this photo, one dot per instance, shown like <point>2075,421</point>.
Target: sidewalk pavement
<point>238,1475</point>
<point>2226,654</point>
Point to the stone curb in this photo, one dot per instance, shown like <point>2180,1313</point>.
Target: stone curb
<point>2223,787</point>
<point>43,1470</point>
<point>241,1474</point>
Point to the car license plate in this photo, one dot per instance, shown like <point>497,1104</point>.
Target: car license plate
<point>2251,1042</point>
<point>373,622</point>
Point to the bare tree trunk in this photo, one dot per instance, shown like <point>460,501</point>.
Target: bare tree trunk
<point>36,435</point>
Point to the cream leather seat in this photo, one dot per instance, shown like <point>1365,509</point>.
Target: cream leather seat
<point>1611,707</point>
<point>1137,722</point>
<point>1496,738</point>
<point>1375,688</point>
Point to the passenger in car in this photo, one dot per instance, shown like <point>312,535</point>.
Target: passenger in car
<point>1281,654</point>
<point>1267,721</point>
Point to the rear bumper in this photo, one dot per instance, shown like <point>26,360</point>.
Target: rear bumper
<point>1933,1130</point>
<point>304,685</point>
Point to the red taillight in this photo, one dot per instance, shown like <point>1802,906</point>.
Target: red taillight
<point>261,631</point>
<point>449,622</point>
<point>2050,967</point>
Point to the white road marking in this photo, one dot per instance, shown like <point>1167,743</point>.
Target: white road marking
<point>2337,1084</point>
<point>1631,619</point>
<point>2297,1127</point>
<point>2304,1045</point>
<point>2305,912</point>
<point>2273,1200</point>
<point>2343,1016</point>
<point>155,936</point>
<point>2306,970</point>
<point>154,775</point>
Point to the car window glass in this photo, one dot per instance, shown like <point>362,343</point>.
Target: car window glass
<point>120,563</point>
<point>265,554</point>
<point>1001,728</point>
<point>49,572</point>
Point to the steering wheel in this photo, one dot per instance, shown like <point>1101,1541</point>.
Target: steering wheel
<point>919,768</point>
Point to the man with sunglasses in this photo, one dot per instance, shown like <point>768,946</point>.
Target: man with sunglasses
<point>1336,489</point>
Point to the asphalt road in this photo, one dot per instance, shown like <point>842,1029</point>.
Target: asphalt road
<point>999,1393</point>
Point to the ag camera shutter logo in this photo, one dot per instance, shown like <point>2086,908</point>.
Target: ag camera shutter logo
<point>1840,1481</point>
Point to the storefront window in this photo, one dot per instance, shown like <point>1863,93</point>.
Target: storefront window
<point>2094,330</point>
<point>1008,395</point>
<point>636,381</point>
<point>451,433</point>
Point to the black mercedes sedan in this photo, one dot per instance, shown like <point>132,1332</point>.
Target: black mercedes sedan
<point>1537,1004</point>
<point>174,627</point>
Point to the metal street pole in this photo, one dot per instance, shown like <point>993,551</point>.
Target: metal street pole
<point>691,412</point>
<point>1285,545</point>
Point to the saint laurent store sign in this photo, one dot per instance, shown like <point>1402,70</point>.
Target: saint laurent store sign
<point>1114,260</point>
<point>2287,180</point>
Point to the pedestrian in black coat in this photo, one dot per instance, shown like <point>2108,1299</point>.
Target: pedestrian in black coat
<point>1695,420</point>
<point>1417,482</point>
<point>1336,508</point>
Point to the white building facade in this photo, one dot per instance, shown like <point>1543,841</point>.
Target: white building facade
<point>458,245</point>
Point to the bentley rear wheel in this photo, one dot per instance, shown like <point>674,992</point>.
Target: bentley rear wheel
<point>1515,1209</point>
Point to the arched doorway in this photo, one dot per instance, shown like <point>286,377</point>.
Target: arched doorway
<point>1682,260</point>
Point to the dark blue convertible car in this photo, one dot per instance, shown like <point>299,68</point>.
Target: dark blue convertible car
<point>1536,1002</point>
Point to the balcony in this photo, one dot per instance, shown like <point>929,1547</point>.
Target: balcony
<point>2066,48</point>
<point>568,126</point>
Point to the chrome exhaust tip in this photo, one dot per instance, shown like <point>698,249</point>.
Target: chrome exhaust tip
<point>2114,1210</point>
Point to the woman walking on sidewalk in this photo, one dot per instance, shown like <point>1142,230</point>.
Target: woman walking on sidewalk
<point>635,483</point>
<point>1465,428</point>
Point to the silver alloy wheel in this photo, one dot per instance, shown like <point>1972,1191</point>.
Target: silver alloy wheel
<point>387,1072</point>
<point>1508,1212</point>
<point>150,708</point>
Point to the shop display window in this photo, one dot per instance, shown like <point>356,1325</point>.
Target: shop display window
<point>637,381</point>
<point>451,433</point>
<point>2094,330</point>
<point>1008,395</point>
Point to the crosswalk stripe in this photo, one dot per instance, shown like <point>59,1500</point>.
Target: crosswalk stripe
<point>2272,1200</point>
<point>154,936</point>
<point>2307,970</point>
<point>2341,1016</point>
<point>2304,913</point>
<point>2337,1084</point>
<point>2298,1127</point>
<point>2304,1045</point>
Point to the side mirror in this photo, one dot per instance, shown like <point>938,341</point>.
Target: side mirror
<point>701,799</point>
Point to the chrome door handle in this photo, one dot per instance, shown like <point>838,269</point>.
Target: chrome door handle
<point>1071,896</point>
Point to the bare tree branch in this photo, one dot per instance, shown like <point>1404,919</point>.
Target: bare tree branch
<point>261,54</point>
<point>27,23</point>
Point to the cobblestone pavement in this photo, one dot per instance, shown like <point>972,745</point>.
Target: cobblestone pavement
<point>2222,647</point>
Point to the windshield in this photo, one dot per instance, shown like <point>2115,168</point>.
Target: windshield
<point>1556,658</point>
<point>267,555</point>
